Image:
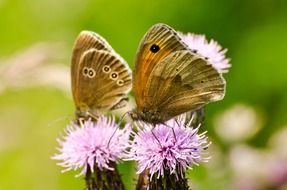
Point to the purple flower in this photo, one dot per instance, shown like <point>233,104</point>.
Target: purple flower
<point>173,147</point>
<point>93,144</point>
<point>209,49</point>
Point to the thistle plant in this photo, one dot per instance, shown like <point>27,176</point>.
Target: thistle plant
<point>210,49</point>
<point>95,148</point>
<point>165,151</point>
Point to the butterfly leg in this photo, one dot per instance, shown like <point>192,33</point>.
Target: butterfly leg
<point>81,121</point>
<point>173,132</point>
<point>94,117</point>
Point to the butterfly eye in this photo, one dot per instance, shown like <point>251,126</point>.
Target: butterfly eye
<point>120,82</point>
<point>91,73</point>
<point>85,71</point>
<point>154,48</point>
<point>114,76</point>
<point>106,69</point>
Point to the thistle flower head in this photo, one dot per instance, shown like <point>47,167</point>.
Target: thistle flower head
<point>173,147</point>
<point>95,144</point>
<point>211,50</point>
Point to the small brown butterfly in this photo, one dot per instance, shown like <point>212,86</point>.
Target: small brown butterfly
<point>101,79</point>
<point>170,79</point>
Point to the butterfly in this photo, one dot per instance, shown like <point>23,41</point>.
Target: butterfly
<point>170,79</point>
<point>100,78</point>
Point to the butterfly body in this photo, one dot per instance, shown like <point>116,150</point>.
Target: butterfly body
<point>148,115</point>
<point>170,78</point>
<point>101,79</point>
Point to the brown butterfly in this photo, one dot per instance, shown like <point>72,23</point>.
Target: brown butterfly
<point>101,79</point>
<point>170,79</point>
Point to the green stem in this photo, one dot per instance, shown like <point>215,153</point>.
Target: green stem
<point>166,182</point>
<point>103,179</point>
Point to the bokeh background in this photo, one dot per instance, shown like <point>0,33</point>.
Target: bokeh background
<point>248,128</point>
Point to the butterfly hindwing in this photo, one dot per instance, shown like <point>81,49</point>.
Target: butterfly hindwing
<point>85,41</point>
<point>182,82</point>
<point>105,79</point>
<point>101,79</point>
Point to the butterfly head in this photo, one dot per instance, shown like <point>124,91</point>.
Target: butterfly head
<point>149,116</point>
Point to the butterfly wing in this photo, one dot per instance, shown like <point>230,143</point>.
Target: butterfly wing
<point>85,41</point>
<point>101,79</point>
<point>182,82</point>
<point>158,42</point>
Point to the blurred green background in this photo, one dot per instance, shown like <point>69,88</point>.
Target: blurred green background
<point>247,128</point>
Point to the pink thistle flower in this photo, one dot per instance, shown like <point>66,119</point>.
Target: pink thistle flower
<point>93,144</point>
<point>173,147</point>
<point>208,49</point>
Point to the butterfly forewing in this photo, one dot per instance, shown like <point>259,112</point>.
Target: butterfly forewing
<point>159,42</point>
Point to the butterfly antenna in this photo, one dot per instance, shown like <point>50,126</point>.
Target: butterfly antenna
<point>122,118</point>
<point>119,124</point>
<point>155,135</point>
<point>51,123</point>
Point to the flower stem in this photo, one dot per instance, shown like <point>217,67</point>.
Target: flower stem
<point>166,182</point>
<point>103,179</point>
<point>143,181</point>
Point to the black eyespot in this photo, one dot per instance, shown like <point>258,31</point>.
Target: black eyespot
<point>120,82</point>
<point>194,51</point>
<point>114,75</point>
<point>91,73</point>
<point>154,48</point>
<point>106,69</point>
<point>85,71</point>
<point>202,81</point>
<point>206,58</point>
